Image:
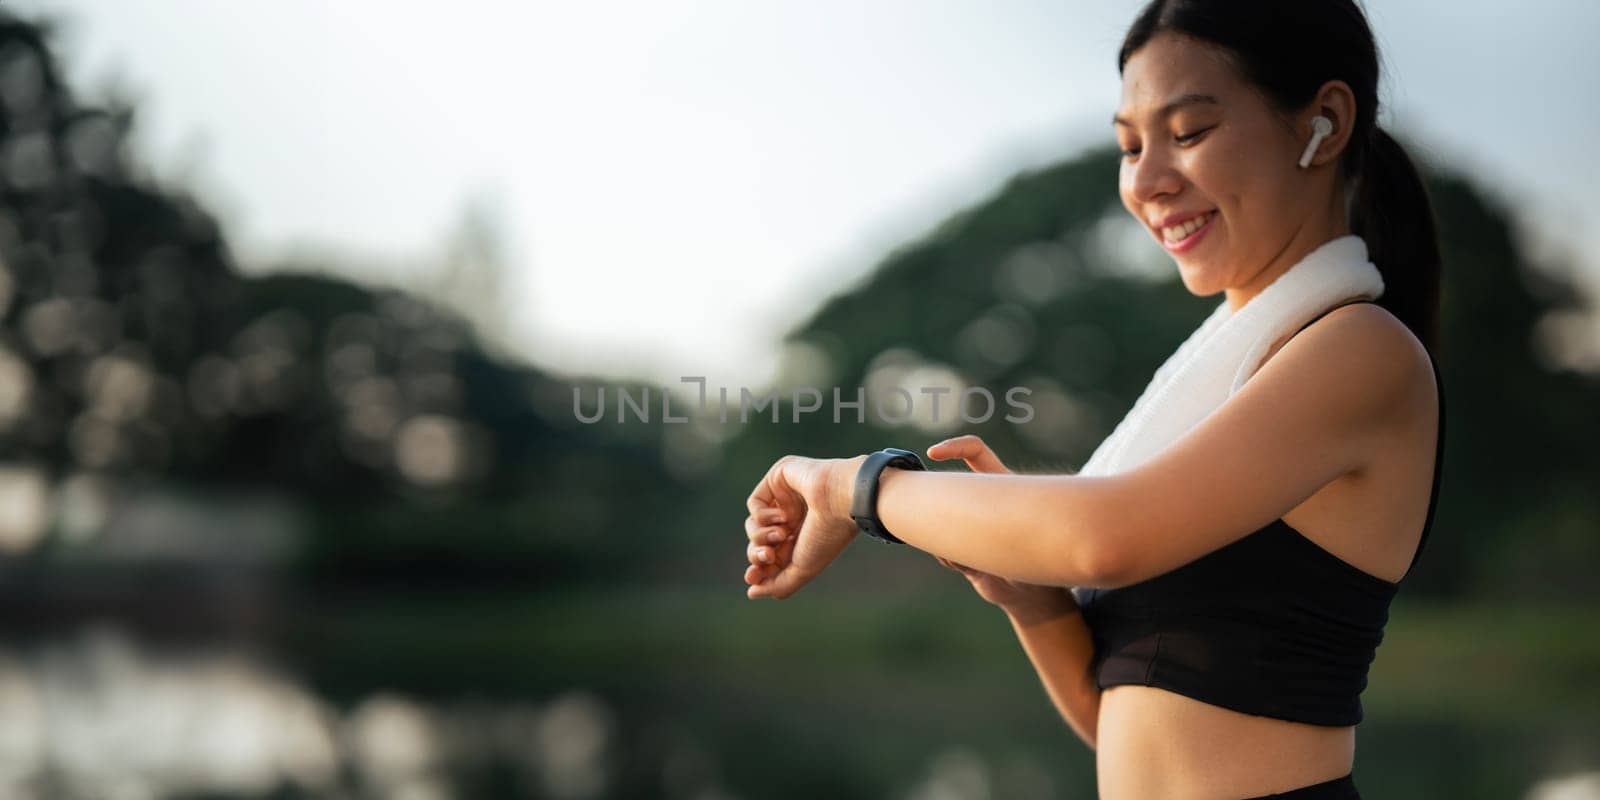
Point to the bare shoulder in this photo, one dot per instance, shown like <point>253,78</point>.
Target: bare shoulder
<point>1387,363</point>
<point>1339,399</point>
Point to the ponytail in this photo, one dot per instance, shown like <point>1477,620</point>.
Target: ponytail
<point>1393,214</point>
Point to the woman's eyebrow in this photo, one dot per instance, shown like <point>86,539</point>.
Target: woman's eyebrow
<point>1191,98</point>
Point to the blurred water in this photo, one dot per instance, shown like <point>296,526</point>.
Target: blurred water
<point>101,714</point>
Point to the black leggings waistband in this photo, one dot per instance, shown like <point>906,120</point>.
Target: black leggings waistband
<point>1337,789</point>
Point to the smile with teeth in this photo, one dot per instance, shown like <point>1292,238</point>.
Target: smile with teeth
<point>1177,233</point>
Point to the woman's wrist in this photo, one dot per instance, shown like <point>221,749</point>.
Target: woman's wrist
<point>841,486</point>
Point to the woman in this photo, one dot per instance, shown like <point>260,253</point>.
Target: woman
<point>1233,586</point>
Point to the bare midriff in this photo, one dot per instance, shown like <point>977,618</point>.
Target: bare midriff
<point>1152,743</point>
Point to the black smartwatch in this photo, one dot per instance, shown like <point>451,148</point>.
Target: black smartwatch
<point>864,500</point>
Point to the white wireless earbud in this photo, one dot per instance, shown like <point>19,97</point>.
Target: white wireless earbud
<point>1322,127</point>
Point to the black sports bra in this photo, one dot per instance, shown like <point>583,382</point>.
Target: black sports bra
<point>1271,624</point>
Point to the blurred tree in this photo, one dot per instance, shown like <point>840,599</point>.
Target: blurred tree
<point>129,345</point>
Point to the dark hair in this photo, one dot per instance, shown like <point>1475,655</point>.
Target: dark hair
<point>1289,50</point>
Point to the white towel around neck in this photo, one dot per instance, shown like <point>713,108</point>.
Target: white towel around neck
<point>1221,354</point>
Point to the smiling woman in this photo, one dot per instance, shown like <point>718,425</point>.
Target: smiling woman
<point>1203,599</point>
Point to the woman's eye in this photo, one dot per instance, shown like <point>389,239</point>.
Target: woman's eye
<point>1182,139</point>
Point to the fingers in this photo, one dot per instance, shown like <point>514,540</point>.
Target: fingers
<point>778,558</point>
<point>971,449</point>
<point>770,505</point>
<point>780,578</point>
<point>754,575</point>
<point>773,493</point>
<point>757,574</point>
<point>761,554</point>
<point>764,530</point>
<point>777,584</point>
<point>775,555</point>
<point>766,527</point>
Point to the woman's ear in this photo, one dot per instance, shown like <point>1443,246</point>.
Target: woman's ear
<point>1336,102</point>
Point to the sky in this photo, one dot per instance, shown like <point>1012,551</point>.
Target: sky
<point>675,185</point>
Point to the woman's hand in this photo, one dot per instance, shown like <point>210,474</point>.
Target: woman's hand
<point>1026,601</point>
<point>799,523</point>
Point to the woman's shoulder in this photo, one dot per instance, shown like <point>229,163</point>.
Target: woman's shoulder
<point>1393,361</point>
<point>1370,325</point>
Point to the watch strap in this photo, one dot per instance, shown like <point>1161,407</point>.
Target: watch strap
<point>864,498</point>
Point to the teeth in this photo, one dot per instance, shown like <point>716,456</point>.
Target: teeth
<point>1178,233</point>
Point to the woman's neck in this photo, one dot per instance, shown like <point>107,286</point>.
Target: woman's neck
<point>1306,239</point>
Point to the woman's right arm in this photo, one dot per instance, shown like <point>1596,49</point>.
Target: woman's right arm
<point>1057,641</point>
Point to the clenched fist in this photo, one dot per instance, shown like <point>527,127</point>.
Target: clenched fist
<point>799,522</point>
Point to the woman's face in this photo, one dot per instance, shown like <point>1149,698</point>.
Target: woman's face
<point>1218,152</point>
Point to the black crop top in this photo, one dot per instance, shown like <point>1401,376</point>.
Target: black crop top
<point>1271,625</point>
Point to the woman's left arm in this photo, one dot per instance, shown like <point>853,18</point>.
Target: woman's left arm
<point>1313,412</point>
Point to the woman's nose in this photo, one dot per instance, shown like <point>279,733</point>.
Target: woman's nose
<point>1153,175</point>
